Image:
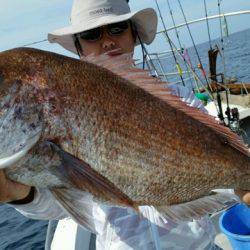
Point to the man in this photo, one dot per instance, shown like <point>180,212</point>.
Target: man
<point>108,26</point>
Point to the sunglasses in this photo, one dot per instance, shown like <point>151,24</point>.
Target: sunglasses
<point>114,29</point>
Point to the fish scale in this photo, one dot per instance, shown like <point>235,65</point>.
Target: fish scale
<point>121,136</point>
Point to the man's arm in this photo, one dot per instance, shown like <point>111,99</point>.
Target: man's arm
<point>31,202</point>
<point>42,207</point>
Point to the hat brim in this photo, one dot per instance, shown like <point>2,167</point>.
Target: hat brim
<point>145,21</point>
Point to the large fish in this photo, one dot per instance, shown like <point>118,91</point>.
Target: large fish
<point>120,136</point>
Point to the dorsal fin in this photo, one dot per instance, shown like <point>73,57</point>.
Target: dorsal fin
<point>123,66</point>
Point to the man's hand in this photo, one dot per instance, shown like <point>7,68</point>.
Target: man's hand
<point>244,195</point>
<point>10,190</point>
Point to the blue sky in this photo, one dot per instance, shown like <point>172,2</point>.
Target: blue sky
<point>27,21</point>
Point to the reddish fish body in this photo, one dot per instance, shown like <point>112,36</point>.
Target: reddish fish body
<point>130,130</point>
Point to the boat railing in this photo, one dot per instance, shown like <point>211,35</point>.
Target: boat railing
<point>236,13</point>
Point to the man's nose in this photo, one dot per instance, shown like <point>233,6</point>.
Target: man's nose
<point>108,43</point>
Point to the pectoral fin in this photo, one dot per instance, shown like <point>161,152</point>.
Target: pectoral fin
<point>85,178</point>
<point>77,204</point>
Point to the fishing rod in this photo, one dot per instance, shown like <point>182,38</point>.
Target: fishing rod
<point>222,40</point>
<point>194,73</point>
<point>196,51</point>
<point>220,114</point>
<point>161,67</point>
<point>145,54</point>
<point>33,43</point>
<point>178,39</point>
<point>219,108</point>
<point>169,41</point>
<point>173,20</point>
<point>208,28</point>
<point>213,77</point>
<point>223,63</point>
<point>198,78</point>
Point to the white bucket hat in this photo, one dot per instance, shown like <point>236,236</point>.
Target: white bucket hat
<point>90,14</point>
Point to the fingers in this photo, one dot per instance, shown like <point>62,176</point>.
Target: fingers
<point>246,198</point>
<point>10,190</point>
<point>244,195</point>
<point>3,187</point>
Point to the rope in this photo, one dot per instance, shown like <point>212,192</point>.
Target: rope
<point>169,41</point>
